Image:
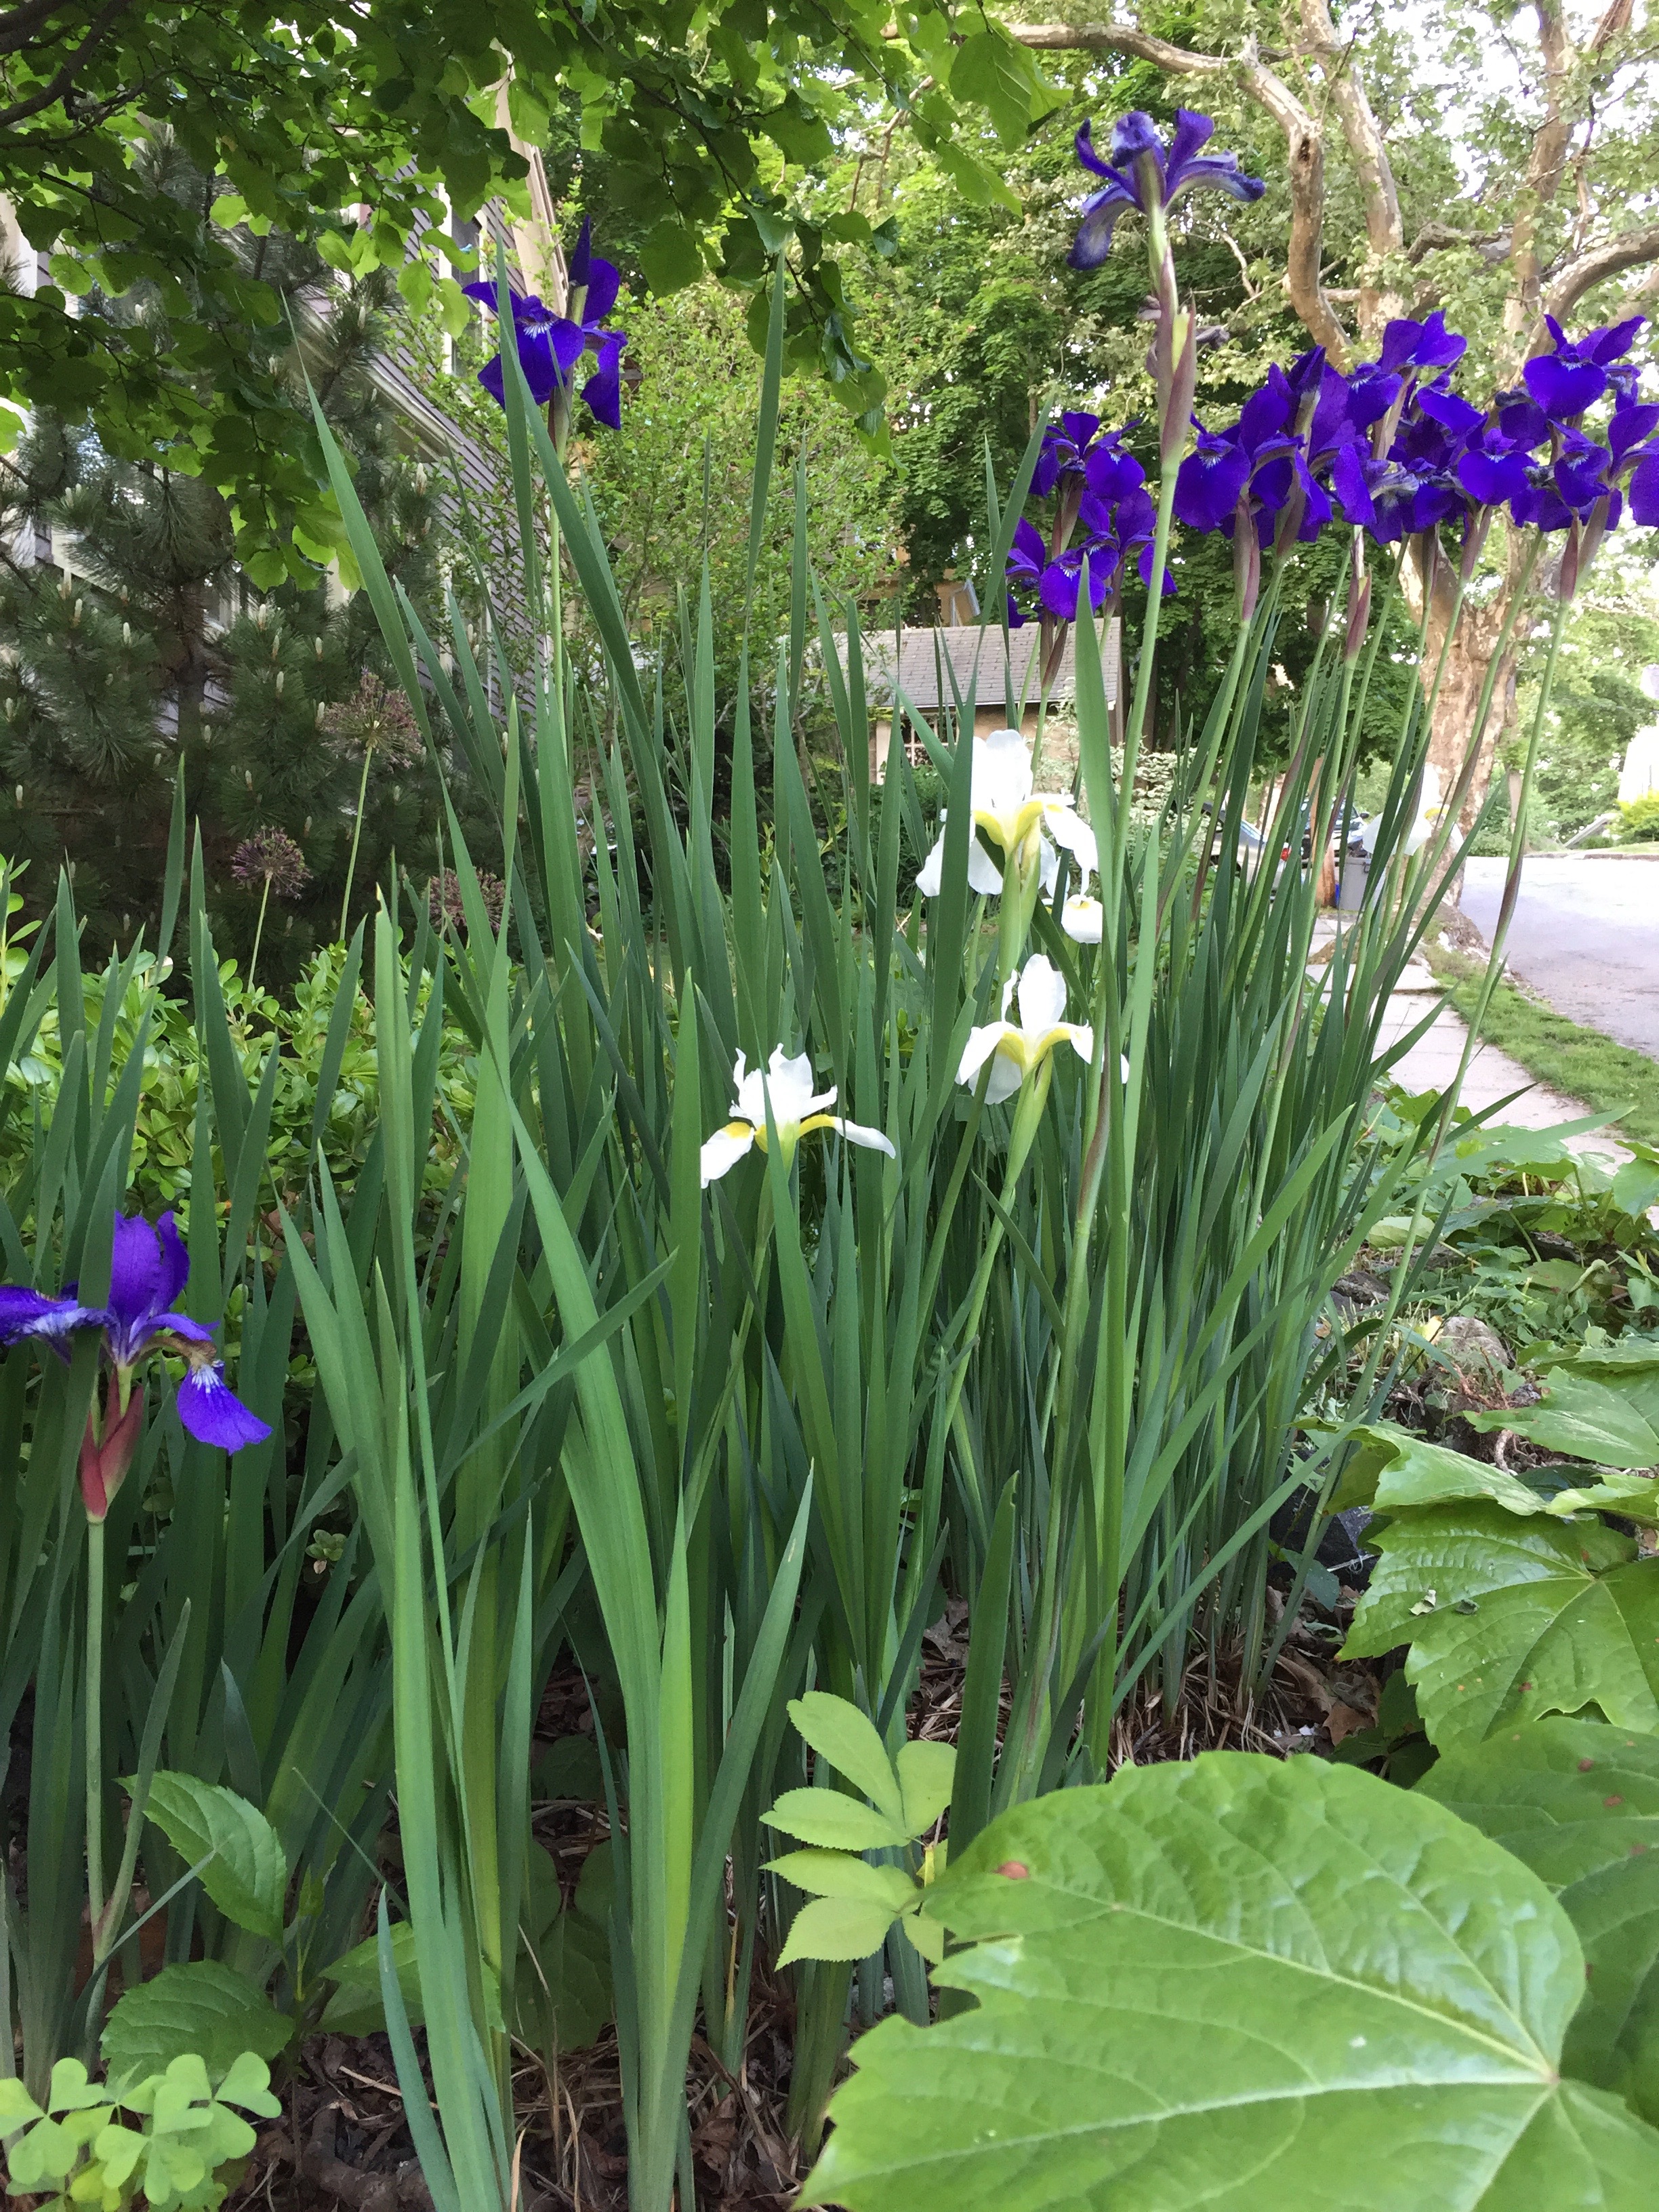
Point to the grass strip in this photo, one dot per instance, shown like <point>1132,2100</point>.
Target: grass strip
<point>1610,1078</point>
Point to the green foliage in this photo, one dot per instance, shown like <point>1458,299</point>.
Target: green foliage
<point>316,1029</point>
<point>246,1870</point>
<point>1508,1619</point>
<point>1601,1404</point>
<point>1239,1968</point>
<point>1578,1803</point>
<point>199,2006</point>
<point>854,1903</point>
<point>395,108</point>
<point>186,2154</point>
<point>1638,823</point>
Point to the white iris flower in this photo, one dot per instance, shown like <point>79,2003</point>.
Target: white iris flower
<point>796,1107</point>
<point>1017,1051</point>
<point>1015,818</point>
<point>1083,920</point>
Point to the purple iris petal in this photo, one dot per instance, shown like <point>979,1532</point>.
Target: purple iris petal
<point>1373,390</point>
<point>1563,385</point>
<point>1521,420</point>
<point>1644,491</point>
<point>1630,426</point>
<point>1427,344</point>
<point>1211,477</point>
<point>149,1267</point>
<point>1144,565</point>
<point>213,1413</point>
<point>1111,473</point>
<point>1581,475</point>
<point>602,393</point>
<point>1354,476</point>
<point>1063,580</point>
<point>1085,153</point>
<point>1028,554</point>
<point>1542,506</point>
<point>1607,345</point>
<point>1492,473</point>
<point>1016,617</point>
<point>1450,411</point>
<point>24,1312</point>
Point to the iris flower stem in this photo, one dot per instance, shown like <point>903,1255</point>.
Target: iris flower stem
<point>94,1734</point>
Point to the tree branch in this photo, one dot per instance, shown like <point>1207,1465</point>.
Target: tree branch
<point>19,25</point>
<point>1384,231</point>
<point>1631,249</point>
<point>64,83</point>
<point>1305,145</point>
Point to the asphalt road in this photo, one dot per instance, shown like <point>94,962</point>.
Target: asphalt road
<point>1585,934</point>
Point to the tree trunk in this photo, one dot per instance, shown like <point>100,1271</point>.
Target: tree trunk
<point>1474,642</point>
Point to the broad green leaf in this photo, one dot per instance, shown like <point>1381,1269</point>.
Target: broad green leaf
<point>927,1773</point>
<point>18,2108</point>
<point>1635,1495</point>
<point>246,1877</point>
<point>839,1732</point>
<point>834,1821</point>
<point>1244,1982</point>
<point>1636,1187</point>
<point>1512,1620</point>
<point>1601,1418</point>
<point>199,2006</point>
<point>1578,1803</point>
<point>563,1985</point>
<point>356,2007</point>
<point>838,1873</point>
<point>836,1928</point>
<point>1393,1468</point>
<point>990,69</point>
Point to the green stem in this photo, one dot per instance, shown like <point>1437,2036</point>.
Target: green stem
<point>357,832</point>
<point>94,1725</point>
<point>258,932</point>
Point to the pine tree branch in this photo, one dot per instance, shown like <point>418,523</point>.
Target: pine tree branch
<point>1304,140</point>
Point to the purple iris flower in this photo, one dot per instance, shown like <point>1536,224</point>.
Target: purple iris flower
<point>1064,446</point>
<point>551,346</point>
<point>1143,173</point>
<point>1575,373</point>
<point>1567,489</point>
<point>1058,581</point>
<point>148,1268</point>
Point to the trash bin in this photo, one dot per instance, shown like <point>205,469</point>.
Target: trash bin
<point>1353,882</point>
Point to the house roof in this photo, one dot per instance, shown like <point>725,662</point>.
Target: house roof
<point>935,664</point>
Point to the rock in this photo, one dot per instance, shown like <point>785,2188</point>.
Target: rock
<point>1469,1342</point>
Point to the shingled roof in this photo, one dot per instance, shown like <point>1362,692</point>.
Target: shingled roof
<point>937,666</point>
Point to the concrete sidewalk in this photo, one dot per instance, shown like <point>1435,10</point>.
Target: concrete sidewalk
<point>1433,1061</point>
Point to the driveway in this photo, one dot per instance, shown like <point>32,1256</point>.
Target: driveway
<point>1585,935</point>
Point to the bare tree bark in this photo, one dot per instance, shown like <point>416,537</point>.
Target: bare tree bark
<point>1384,231</point>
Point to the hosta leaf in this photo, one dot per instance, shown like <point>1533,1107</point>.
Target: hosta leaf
<point>199,2006</point>
<point>838,1873</point>
<point>927,1773</point>
<point>246,1877</point>
<point>1601,1417</point>
<point>839,1732</point>
<point>836,1928</point>
<point>833,1820</point>
<point>1511,1619</point>
<point>1578,1803</point>
<point>1243,1983</point>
